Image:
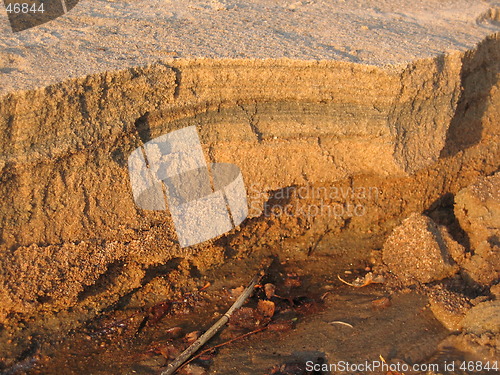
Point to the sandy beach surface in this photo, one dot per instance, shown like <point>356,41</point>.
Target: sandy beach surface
<point>99,35</point>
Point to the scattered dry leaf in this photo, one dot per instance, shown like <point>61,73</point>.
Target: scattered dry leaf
<point>235,292</point>
<point>280,326</point>
<point>166,351</point>
<point>192,337</point>
<point>368,279</point>
<point>158,311</point>
<point>287,369</point>
<point>174,332</point>
<point>270,290</point>
<point>207,356</point>
<point>266,308</point>
<point>381,303</point>
<point>192,369</point>
<point>305,305</point>
<point>244,317</point>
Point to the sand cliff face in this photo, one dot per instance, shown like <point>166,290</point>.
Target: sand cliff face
<point>284,123</point>
<point>386,140</point>
<point>72,234</point>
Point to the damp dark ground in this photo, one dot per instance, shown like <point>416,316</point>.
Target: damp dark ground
<point>317,319</point>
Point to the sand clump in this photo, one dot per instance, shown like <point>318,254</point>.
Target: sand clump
<point>480,331</point>
<point>448,307</point>
<point>477,207</point>
<point>373,104</point>
<point>478,211</point>
<point>421,251</point>
<point>483,318</point>
<point>495,291</point>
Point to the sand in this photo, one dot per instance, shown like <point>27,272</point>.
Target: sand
<point>398,97</point>
<point>104,35</point>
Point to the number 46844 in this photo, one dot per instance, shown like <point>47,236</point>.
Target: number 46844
<point>24,8</point>
<point>479,366</point>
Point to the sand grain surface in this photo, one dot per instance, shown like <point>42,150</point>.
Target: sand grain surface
<point>99,35</point>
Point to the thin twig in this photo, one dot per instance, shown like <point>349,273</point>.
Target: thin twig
<point>345,282</point>
<point>320,238</point>
<point>342,323</point>
<point>224,344</point>
<point>186,354</point>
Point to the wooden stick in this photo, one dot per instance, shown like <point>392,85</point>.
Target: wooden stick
<point>225,343</point>
<point>186,354</point>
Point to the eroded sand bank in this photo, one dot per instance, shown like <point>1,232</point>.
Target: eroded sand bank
<point>399,100</point>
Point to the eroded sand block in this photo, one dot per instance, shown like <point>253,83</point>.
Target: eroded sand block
<point>483,318</point>
<point>478,211</point>
<point>448,307</point>
<point>419,250</point>
<point>407,111</point>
